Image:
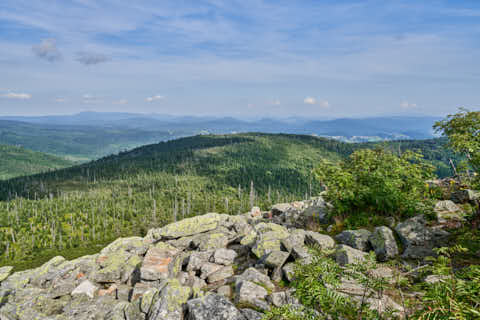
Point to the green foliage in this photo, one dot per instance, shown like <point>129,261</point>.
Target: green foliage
<point>289,312</point>
<point>316,287</point>
<point>463,132</point>
<point>456,295</point>
<point>376,181</point>
<point>17,161</point>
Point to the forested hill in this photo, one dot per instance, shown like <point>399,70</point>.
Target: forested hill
<point>17,161</point>
<point>76,210</point>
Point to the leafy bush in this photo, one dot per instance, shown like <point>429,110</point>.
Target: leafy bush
<point>378,182</point>
<point>456,295</point>
<point>316,287</point>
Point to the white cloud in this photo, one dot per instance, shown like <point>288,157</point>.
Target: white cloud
<point>19,96</point>
<point>155,98</point>
<point>47,50</point>
<point>60,100</point>
<point>408,105</point>
<point>310,100</point>
<point>276,102</point>
<point>121,101</point>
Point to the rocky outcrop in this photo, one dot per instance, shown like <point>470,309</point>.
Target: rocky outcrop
<point>211,267</point>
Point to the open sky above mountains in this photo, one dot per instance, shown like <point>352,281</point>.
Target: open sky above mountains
<point>239,58</point>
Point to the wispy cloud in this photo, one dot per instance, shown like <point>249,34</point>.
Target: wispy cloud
<point>310,100</point>
<point>91,99</point>
<point>408,105</point>
<point>60,100</point>
<point>155,98</point>
<point>314,101</point>
<point>91,58</point>
<point>18,96</point>
<point>47,50</point>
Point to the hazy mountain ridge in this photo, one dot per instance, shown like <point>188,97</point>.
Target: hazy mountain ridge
<point>90,135</point>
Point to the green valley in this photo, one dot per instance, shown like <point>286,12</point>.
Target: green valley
<point>17,161</point>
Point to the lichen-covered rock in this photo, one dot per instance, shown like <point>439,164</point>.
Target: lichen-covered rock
<point>253,275</point>
<point>197,259</point>
<point>5,272</point>
<point>384,244</point>
<point>318,240</point>
<point>221,274</point>
<point>250,293</point>
<point>447,210</point>
<point>357,239</point>
<point>168,305</point>
<point>276,259</point>
<point>147,300</point>
<point>268,239</point>
<point>295,239</point>
<point>87,288</point>
<point>210,241</point>
<point>187,227</point>
<point>302,254</point>
<point>415,232</point>
<point>111,266</point>
<point>134,245</point>
<point>158,262</point>
<point>347,255</point>
<point>209,268</point>
<point>212,307</point>
<point>224,256</point>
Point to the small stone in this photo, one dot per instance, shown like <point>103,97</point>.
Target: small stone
<point>319,240</point>
<point>289,271</point>
<point>276,259</point>
<point>209,268</point>
<point>221,274</point>
<point>87,288</point>
<point>253,275</point>
<point>347,255</point>
<point>301,254</point>
<point>224,256</point>
<point>357,239</point>
<point>225,291</point>
<point>295,239</point>
<point>384,244</point>
<point>278,299</point>
<point>249,292</point>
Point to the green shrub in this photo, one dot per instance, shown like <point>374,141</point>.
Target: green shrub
<point>377,181</point>
<point>456,295</point>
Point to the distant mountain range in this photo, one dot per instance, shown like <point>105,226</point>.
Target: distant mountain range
<point>395,127</point>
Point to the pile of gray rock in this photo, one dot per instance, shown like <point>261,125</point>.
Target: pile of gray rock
<point>213,266</point>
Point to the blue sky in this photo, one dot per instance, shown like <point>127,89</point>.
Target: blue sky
<point>239,58</point>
